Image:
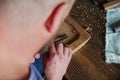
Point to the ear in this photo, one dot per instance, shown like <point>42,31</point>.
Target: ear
<point>55,19</point>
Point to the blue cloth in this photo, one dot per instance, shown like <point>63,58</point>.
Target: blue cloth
<point>34,74</point>
<point>39,65</point>
<point>112,38</point>
<point>37,69</point>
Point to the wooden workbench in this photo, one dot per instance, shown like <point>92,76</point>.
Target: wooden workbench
<point>89,62</point>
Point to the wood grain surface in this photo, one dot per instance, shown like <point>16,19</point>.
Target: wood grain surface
<point>89,62</point>
<point>111,4</point>
<point>77,36</point>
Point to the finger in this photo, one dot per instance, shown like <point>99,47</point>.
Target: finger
<point>67,45</point>
<point>32,60</point>
<point>37,56</point>
<point>66,51</point>
<point>70,53</point>
<point>52,50</point>
<point>60,49</point>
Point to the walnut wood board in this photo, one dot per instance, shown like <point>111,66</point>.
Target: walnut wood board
<point>77,36</point>
<point>89,62</point>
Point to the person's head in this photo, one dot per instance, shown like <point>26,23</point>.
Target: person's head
<point>26,25</point>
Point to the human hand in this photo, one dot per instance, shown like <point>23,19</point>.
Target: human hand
<point>36,56</point>
<point>57,62</point>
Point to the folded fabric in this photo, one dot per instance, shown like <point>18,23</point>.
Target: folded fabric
<point>112,50</point>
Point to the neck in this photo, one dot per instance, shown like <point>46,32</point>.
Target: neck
<point>13,70</point>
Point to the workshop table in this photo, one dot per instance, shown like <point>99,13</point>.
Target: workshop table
<point>89,62</point>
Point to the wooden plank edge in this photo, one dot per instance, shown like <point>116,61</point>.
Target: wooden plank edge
<point>88,36</point>
<point>82,44</point>
<point>111,4</point>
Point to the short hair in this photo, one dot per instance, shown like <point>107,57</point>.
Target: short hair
<point>26,12</point>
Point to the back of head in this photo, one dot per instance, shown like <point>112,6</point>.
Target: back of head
<point>26,25</point>
<point>27,12</point>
